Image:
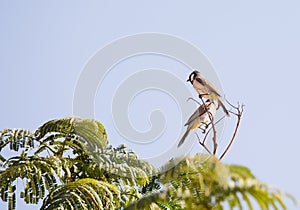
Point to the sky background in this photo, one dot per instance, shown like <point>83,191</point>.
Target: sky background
<point>254,47</point>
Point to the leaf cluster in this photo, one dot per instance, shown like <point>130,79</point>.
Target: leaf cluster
<point>68,164</point>
<point>203,182</point>
<point>70,157</point>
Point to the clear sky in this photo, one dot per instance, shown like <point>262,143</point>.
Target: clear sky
<point>252,45</point>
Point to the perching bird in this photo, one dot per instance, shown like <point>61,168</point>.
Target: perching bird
<point>200,118</point>
<point>206,89</point>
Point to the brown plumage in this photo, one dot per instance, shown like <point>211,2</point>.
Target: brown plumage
<point>206,89</point>
<point>199,119</point>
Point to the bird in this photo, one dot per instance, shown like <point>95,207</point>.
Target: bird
<point>206,89</point>
<point>201,117</point>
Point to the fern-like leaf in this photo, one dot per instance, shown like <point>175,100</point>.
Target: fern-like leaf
<point>84,194</point>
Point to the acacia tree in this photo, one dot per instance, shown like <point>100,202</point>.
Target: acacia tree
<point>68,164</point>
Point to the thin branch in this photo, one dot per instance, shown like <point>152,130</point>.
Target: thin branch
<point>239,115</point>
<point>214,138</point>
<point>211,128</point>
<point>202,144</point>
<point>214,133</point>
<point>190,98</point>
<point>206,135</point>
<point>235,107</point>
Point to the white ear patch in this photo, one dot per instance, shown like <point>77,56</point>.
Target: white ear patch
<point>192,77</point>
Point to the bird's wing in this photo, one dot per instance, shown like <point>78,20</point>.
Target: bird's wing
<point>201,81</point>
<point>199,112</point>
<point>212,88</point>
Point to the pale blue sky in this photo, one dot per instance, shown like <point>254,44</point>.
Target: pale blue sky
<point>253,45</point>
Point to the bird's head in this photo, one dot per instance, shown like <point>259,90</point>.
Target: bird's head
<point>192,76</point>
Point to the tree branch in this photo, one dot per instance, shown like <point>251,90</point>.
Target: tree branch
<point>239,114</point>
<point>203,144</point>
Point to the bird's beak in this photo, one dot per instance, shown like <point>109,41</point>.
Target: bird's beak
<point>188,80</point>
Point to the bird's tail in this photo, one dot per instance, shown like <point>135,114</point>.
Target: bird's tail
<point>223,107</point>
<point>183,138</point>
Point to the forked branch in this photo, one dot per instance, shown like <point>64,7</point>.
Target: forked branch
<point>239,112</point>
<point>211,118</point>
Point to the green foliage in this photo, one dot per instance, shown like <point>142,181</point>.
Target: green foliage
<point>69,164</point>
<point>16,139</point>
<point>38,172</point>
<point>84,194</point>
<point>202,182</point>
<point>70,156</point>
<point>74,131</point>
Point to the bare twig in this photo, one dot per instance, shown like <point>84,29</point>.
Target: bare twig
<point>205,137</point>
<point>239,111</point>
<point>203,144</point>
<point>239,114</point>
<point>230,104</point>
<point>190,98</point>
<point>214,138</point>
